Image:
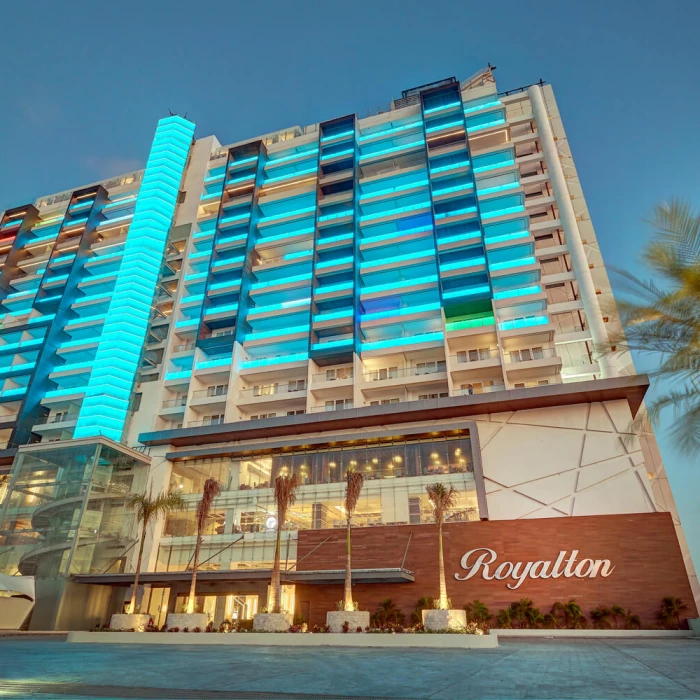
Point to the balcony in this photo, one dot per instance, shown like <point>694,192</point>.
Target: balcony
<point>58,421</point>
<point>173,406</point>
<point>213,420</point>
<point>465,362</point>
<point>288,392</point>
<point>333,406</point>
<point>331,380</point>
<point>212,397</point>
<point>479,388</point>
<point>535,361</point>
<point>431,373</point>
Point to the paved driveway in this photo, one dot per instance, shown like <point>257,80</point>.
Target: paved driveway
<point>50,668</point>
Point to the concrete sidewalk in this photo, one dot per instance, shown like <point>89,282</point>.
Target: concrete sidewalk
<point>535,668</point>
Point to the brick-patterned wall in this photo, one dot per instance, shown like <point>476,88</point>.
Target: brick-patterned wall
<point>642,547</point>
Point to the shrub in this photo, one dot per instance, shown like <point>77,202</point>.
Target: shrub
<point>244,625</point>
<point>477,612</point>
<point>197,629</point>
<point>225,626</point>
<point>670,612</point>
<point>346,627</point>
<point>600,617</point>
<point>424,603</point>
<point>186,629</point>
<point>359,628</point>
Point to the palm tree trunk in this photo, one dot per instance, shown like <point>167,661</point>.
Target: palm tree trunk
<point>193,585</point>
<point>347,603</point>
<point>441,564</point>
<point>132,604</point>
<point>273,603</point>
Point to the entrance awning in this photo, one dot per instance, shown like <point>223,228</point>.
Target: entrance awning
<point>166,578</point>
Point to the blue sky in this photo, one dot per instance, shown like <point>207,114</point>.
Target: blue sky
<point>83,85</point>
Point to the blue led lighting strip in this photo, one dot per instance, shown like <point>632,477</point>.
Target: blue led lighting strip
<point>107,397</point>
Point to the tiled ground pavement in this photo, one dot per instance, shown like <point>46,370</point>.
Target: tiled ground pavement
<point>45,668</point>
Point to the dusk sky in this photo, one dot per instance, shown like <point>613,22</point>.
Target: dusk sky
<point>84,84</point>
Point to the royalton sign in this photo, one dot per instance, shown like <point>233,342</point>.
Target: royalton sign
<point>483,561</point>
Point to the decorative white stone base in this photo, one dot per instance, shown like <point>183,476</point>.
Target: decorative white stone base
<point>189,620</point>
<point>355,618</point>
<point>694,623</point>
<point>126,622</point>
<point>272,622</point>
<point>444,619</point>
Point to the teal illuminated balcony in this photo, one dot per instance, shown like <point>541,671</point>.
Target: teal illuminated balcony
<point>383,133</point>
<point>523,322</point>
<point>403,341</point>
<point>294,304</point>
<point>395,150</point>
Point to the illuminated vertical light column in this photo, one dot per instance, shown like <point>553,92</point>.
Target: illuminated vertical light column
<point>107,398</point>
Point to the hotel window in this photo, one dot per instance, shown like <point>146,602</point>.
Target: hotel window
<point>376,375</point>
<point>338,373</point>
<point>337,404</point>
<point>215,419</point>
<point>297,385</point>
<point>299,412</point>
<point>526,354</point>
<point>262,416</point>
<point>476,387</point>
<point>430,367</point>
<point>218,390</point>
<point>265,389</point>
<point>473,355</point>
<point>441,395</point>
<point>383,402</point>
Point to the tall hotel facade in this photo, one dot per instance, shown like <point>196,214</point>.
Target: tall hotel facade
<point>416,294</point>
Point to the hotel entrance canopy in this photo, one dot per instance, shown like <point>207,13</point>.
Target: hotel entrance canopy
<point>325,576</point>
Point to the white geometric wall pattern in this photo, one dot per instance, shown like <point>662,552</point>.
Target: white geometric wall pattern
<point>569,460</point>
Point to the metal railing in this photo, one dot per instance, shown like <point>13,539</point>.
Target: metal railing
<point>184,347</point>
<point>334,407</point>
<point>206,421</point>
<point>210,393</point>
<point>529,355</point>
<point>478,355</point>
<point>470,390</point>
<point>383,374</point>
<point>50,420</point>
<point>323,376</point>
<point>274,389</point>
<point>171,403</point>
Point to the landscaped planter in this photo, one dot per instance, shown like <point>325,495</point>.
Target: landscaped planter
<point>126,622</point>
<point>189,620</point>
<point>436,620</point>
<point>355,618</point>
<point>272,622</point>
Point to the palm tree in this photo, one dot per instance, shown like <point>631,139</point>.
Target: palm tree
<point>670,612</point>
<point>148,508</point>
<point>212,488</point>
<point>662,319</point>
<point>557,613</point>
<point>601,617</point>
<point>424,603</point>
<point>286,488</point>
<point>477,612</point>
<point>573,615</point>
<point>504,619</point>
<point>387,613</point>
<point>632,622</point>
<point>443,500</point>
<point>353,487</point>
<point>615,612</point>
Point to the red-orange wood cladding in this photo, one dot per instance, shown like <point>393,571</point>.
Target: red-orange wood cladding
<point>643,548</point>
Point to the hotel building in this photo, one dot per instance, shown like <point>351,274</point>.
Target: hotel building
<point>417,294</point>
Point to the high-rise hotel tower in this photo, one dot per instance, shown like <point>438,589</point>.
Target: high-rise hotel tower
<point>417,294</point>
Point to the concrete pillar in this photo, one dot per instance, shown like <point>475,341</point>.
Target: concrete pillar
<point>567,216</point>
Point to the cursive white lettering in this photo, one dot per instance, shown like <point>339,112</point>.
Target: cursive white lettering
<point>480,560</point>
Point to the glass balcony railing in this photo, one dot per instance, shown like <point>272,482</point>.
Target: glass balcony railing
<point>274,389</point>
<point>173,403</point>
<point>212,392</point>
<point>207,421</point>
<point>466,356</point>
<point>480,389</point>
<point>378,375</point>
<point>529,354</point>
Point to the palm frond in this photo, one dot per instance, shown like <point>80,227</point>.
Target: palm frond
<point>286,488</point>
<point>442,498</point>
<point>661,319</point>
